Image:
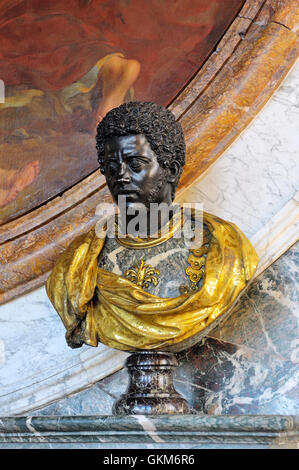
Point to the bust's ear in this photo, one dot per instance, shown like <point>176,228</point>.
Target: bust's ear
<point>173,171</point>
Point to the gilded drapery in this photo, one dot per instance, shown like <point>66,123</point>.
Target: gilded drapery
<point>96,305</point>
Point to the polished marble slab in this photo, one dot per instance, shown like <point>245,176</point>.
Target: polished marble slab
<point>250,363</point>
<point>184,431</point>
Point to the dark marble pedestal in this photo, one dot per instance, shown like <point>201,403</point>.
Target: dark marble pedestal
<point>151,390</point>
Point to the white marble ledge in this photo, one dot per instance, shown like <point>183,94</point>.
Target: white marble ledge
<point>257,176</point>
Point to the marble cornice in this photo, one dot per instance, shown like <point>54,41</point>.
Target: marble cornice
<point>277,235</point>
<point>270,431</point>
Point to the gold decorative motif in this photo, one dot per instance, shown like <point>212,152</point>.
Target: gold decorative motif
<point>196,268</point>
<point>161,236</point>
<point>142,275</point>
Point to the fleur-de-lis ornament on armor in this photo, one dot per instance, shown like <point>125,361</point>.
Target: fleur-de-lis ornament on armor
<point>143,274</point>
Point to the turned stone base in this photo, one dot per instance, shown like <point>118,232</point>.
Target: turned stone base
<point>151,389</point>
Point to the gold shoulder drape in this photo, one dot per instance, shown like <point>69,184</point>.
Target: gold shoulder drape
<point>96,305</point>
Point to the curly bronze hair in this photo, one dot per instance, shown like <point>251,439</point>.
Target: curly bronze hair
<point>162,131</point>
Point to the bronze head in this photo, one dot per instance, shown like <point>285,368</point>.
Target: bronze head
<point>141,152</point>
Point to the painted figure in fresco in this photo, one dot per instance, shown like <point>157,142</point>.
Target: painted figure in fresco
<point>13,182</point>
<point>155,291</point>
<point>65,63</point>
<point>116,75</point>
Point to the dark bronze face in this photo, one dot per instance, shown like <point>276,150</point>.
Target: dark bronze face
<point>132,169</point>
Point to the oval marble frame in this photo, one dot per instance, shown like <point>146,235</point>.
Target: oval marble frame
<point>228,91</point>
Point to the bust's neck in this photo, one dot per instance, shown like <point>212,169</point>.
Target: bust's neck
<point>148,223</point>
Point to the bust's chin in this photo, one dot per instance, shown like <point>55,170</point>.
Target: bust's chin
<point>124,199</point>
<point>133,206</point>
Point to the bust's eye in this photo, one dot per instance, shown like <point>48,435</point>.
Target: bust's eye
<point>136,163</point>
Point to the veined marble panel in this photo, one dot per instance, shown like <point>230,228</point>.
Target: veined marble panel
<point>257,176</point>
<point>253,184</point>
<point>37,366</point>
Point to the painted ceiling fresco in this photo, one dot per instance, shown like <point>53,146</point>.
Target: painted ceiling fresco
<point>66,63</point>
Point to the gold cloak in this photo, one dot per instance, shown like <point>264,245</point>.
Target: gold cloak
<point>97,305</point>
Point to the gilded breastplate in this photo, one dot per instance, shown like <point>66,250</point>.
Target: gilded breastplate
<point>165,270</point>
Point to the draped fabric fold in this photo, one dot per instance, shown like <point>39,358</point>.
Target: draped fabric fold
<point>97,305</point>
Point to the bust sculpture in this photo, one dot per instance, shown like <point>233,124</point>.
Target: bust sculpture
<point>153,292</point>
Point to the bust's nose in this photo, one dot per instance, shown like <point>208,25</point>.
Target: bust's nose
<point>123,174</point>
